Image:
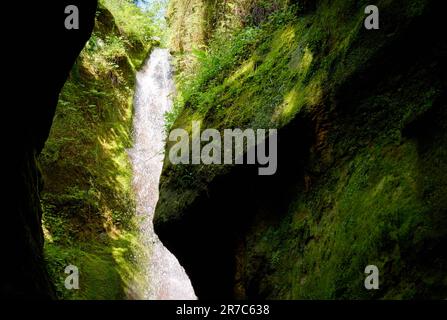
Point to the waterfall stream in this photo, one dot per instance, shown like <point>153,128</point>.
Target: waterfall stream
<point>166,278</point>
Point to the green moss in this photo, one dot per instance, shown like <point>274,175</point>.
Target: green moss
<point>369,211</point>
<point>264,76</point>
<point>106,270</point>
<point>375,194</point>
<point>89,210</point>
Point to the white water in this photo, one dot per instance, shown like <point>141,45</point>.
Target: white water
<point>166,278</point>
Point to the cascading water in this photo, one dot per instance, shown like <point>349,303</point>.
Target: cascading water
<point>166,278</point>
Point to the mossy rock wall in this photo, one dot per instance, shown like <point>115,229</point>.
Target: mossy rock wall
<point>89,210</point>
<point>361,162</point>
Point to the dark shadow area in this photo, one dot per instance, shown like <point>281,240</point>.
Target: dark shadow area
<point>40,55</point>
<point>206,239</point>
<point>429,131</point>
<point>394,84</point>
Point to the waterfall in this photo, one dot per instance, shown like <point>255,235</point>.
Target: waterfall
<point>166,278</point>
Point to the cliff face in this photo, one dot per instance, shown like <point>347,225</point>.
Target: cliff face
<point>361,159</point>
<point>37,66</point>
<point>87,199</point>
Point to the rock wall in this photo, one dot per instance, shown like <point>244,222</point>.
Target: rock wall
<point>361,160</point>
<point>40,56</point>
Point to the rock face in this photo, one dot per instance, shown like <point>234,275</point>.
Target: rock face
<point>361,163</point>
<point>40,57</point>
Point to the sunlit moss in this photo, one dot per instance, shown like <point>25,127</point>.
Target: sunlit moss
<point>290,105</point>
<point>88,203</point>
<point>306,61</point>
<point>373,196</point>
<point>245,69</point>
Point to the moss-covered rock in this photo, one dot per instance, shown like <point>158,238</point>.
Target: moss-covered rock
<point>361,156</point>
<point>89,212</point>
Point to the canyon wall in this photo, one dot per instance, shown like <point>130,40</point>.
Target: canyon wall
<point>37,65</point>
<point>361,152</point>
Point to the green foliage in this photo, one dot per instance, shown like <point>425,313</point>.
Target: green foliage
<point>235,64</point>
<point>88,203</point>
<point>376,195</point>
<point>368,211</point>
<point>137,24</point>
<point>105,269</point>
